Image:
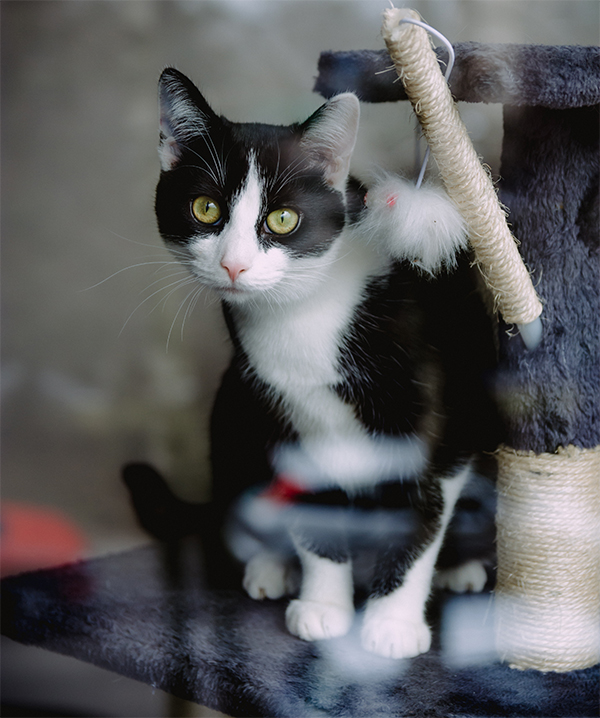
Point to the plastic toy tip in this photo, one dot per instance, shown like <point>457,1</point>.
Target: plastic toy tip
<point>531,333</point>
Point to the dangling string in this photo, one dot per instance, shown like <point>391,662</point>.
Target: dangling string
<point>449,66</point>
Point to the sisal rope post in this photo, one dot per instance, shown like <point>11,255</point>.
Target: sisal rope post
<point>547,593</point>
<point>548,536</point>
<point>465,179</point>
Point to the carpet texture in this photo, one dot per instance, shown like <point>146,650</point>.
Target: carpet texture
<point>147,614</point>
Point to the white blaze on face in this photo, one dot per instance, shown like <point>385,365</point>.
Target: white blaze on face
<point>239,243</point>
<point>240,262</point>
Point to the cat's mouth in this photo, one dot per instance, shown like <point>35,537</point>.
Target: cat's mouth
<point>226,291</point>
<point>232,292</point>
<point>241,295</point>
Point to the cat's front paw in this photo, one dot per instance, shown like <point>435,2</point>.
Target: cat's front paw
<point>395,637</point>
<point>267,576</point>
<point>470,576</point>
<point>314,621</point>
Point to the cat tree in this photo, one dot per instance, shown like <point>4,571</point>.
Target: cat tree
<point>548,600</point>
<point>169,628</point>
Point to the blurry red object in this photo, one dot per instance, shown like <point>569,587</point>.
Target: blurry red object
<point>32,537</point>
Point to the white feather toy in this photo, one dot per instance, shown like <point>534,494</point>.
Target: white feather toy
<point>421,225</point>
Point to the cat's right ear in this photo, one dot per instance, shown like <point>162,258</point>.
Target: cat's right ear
<point>329,136</point>
<point>184,115</point>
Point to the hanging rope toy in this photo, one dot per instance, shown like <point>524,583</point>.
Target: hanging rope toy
<point>466,181</point>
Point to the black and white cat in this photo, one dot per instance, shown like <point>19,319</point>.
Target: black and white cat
<point>361,350</point>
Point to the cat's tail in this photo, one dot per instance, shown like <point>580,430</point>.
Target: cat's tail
<point>170,519</point>
<point>158,510</point>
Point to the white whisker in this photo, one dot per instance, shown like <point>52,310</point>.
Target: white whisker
<point>289,174</point>
<point>134,241</point>
<point>191,306</point>
<point>188,295</point>
<point>176,285</point>
<point>124,269</point>
<point>182,271</point>
<point>209,169</point>
<point>215,156</point>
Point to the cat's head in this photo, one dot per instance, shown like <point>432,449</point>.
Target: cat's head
<point>252,210</point>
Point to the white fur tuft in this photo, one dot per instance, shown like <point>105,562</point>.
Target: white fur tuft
<point>421,225</point>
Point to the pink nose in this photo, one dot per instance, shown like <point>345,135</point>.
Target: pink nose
<point>234,269</point>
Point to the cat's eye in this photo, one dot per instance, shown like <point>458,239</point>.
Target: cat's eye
<point>282,221</point>
<point>206,210</point>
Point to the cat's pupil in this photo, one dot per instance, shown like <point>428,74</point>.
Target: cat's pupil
<point>206,210</point>
<point>283,221</point>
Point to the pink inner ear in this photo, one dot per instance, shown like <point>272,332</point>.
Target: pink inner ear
<point>169,153</point>
<point>391,200</point>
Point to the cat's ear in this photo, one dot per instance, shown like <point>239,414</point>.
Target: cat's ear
<point>184,114</point>
<point>329,136</point>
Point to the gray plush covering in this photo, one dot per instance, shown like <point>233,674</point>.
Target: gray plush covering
<point>532,75</point>
<point>551,396</point>
<point>165,627</point>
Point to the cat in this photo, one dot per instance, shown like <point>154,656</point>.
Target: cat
<point>358,387</point>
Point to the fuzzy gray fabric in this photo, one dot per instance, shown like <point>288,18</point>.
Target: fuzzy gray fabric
<point>131,614</point>
<point>531,75</point>
<point>551,396</point>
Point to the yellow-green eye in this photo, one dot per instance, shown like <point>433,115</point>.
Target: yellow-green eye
<point>283,221</point>
<point>206,210</point>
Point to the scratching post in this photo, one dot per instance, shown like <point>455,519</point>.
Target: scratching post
<point>548,601</point>
<point>548,568</point>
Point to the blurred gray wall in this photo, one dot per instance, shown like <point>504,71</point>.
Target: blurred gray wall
<point>101,361</point>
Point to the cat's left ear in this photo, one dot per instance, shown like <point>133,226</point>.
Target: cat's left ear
<point>184,115</point>
<point>329,136</point>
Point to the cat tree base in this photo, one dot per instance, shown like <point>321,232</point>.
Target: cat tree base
<point>133,615</point>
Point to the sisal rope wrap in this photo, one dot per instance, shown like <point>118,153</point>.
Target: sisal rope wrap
<point>548,536</point>
<point>466,180</point>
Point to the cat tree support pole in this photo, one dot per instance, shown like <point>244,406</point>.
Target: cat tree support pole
<point>547,599</point>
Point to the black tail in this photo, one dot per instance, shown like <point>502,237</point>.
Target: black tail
<point>159,511</point>
<point>170,519</point>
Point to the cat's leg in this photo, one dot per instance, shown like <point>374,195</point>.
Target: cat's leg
<point>269,575</point>
<point>325,607</point>
<point>394,623</point>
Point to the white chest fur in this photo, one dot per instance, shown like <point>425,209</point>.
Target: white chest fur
<point>294,347</point>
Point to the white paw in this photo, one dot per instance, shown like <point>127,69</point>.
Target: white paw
<point>395,638</point>
<point>470,576</point>
<point>267,576</point>
<point>314,621</point>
